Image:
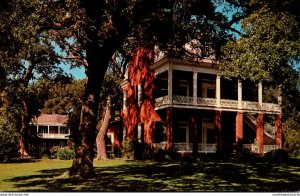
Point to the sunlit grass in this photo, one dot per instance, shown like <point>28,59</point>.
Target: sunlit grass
<point>121,175</point>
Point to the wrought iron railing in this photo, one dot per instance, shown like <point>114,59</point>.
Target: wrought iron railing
<point>206,101</point>
<point>270,107</point>
<point>187,100</point>
<point>229,103</point>
<point>212,102</point>
<point>250,105</point>
<point>161,101</point>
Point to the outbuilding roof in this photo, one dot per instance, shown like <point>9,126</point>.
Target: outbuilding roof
<point>51,119</point>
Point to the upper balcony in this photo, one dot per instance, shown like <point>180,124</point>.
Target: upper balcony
<point>211,103</point>
<point>46,131</point>
<point>200,86</point>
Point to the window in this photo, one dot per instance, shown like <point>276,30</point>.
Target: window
<point>140,93</point>
<point>110,143</point>
<point>208,90</point>
<point>199,135</point>
<point>43,129</point>
<point>211,93</point>
<point>180,134</point>
<point>64,130</point>
<point>53,129</point>
<point>208,132</point>
<point>183,88</point>
<point>124,99</point>
<point>211,136</point>
<point>162,87</point>
<point>141,133</point>
<point>160,132</point>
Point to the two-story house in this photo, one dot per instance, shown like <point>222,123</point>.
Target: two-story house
<point>189,106</point>
<point>52,130</point>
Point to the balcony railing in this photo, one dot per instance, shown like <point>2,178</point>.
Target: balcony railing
<point>206,101</point>
<point>161,101</point>
<point>212,102</point>
<point>182,100</point>
<point>53,136</point>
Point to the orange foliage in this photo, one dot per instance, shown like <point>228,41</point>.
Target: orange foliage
<point>139,72</point>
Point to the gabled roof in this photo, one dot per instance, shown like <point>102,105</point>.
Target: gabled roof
<point>51,119</point>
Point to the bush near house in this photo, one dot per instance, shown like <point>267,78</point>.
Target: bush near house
<point>291,135</point>
<point>127,150</point>
<point>65,154</point>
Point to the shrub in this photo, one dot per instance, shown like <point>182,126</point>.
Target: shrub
<point>295,154</point>
<point>127,150</point>
<point>65,154</point>
<point>279,155</point>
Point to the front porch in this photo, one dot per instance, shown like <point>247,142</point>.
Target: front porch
<point>188,130</point>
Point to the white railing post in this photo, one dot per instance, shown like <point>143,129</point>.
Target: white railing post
<point>260,91</point>
<point>218,90</point>
<point>170,83</point>
<point>279,98</point>
<point>195,79</point>
<point>240,94</point>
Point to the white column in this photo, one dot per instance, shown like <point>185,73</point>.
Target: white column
<point>195,75</point>
<point>260,91</point>
<point>218,90</point>
<point>279,97</point>
<point>124,99</point>
<point>240,94</point>
<point>170,83</point>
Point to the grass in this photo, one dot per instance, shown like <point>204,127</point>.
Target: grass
<point>121,175</point>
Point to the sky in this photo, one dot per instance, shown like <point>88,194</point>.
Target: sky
<point>77,72</point>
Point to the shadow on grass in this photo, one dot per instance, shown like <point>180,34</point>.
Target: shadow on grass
<point>22,160</point>
<point>198,176</point>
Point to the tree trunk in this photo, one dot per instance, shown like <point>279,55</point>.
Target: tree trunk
<point>26,114</point>
<point>98,57</point>
<point>84,138</point>
<point>100,140</point>
<point>24,131</point>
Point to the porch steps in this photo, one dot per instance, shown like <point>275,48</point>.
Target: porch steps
<point>269,130</point>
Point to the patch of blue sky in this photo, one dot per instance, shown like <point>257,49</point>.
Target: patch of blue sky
<point>225,8</point>
<point>76,72</point>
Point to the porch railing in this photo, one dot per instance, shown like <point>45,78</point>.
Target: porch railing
<point>188,147</point>
<point>254,147</point>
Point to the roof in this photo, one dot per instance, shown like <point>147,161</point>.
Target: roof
<point>51,119</point>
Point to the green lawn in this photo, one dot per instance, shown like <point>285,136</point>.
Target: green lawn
<point>120,175</point>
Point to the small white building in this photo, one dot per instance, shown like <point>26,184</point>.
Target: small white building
<point>52,129</point>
